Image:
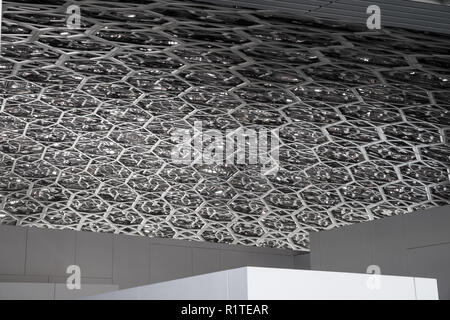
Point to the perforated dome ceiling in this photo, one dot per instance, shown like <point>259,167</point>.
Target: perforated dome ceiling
<point>87,115</point>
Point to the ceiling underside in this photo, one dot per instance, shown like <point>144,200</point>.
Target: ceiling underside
<point>421,15</point>
<point>86,120</point>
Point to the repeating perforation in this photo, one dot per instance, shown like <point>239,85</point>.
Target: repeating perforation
<point>87,115</point>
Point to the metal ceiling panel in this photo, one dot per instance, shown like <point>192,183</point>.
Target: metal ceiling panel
<point>87,118</point>
<point>398,13</point>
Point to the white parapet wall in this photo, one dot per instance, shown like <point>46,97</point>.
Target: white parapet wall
<point>253,283</point>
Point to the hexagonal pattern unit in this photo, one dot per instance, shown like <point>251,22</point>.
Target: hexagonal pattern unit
<point>87,117</point>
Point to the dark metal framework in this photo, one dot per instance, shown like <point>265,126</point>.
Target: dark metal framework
<point>86,119</point>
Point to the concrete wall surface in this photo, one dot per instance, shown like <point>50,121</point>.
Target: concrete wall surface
<point>415,244</point>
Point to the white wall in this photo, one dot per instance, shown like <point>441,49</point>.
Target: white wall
<point>276,284</point>
<point>251,283</point>
<point>415,244</point>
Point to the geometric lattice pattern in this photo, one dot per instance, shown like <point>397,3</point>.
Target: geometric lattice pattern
<point>86,119</point>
